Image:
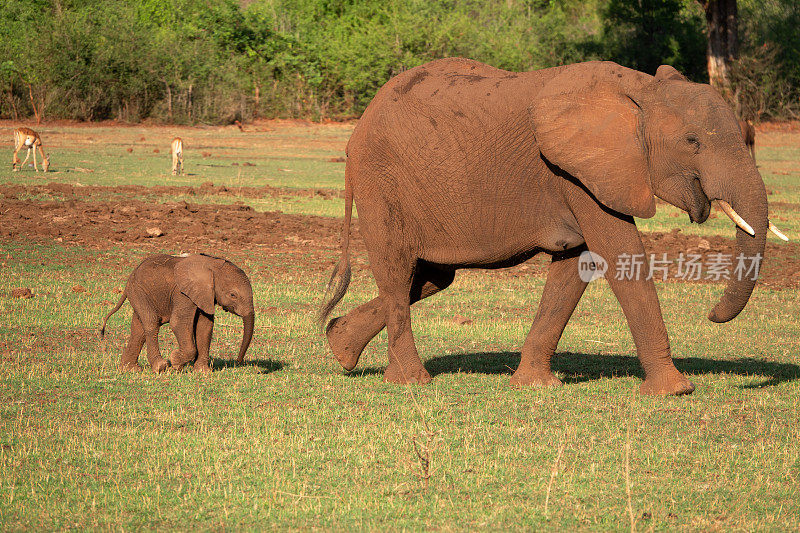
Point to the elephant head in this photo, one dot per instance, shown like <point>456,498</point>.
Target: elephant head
<point>210,281</point>
<point>628,137</point>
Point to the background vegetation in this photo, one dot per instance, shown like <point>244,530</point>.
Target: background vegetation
<point>189,61</point>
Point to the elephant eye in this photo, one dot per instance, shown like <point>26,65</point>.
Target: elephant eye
<point>233,295</point>
<point>693,140</point>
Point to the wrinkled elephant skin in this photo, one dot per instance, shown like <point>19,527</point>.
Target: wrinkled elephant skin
<point>456,164</point>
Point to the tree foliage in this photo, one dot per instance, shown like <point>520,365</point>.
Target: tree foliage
<point>201,61</point>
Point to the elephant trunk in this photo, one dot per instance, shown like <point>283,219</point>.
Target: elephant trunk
<point>748,198</point>
<point>248,322</point>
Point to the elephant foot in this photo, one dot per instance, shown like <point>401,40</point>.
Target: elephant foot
<point>344,342</point>
<point>130,367</point>
<point>529,377</point>
<point>159,366</point>
<point>177,362</point>
<point>202,368</point>
<point>395,373</point>
<point>672,383</point>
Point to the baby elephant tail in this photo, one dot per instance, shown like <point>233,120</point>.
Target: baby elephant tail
<point>342,268</point>
<point>116,308</point>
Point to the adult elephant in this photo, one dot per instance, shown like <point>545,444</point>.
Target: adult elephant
<point>456,164</point>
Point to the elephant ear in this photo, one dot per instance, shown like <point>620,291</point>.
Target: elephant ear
<point>194,277</point>
<point>594,134</point>
<point>667,72</point>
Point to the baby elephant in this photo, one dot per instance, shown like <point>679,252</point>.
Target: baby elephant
<point>183,291</point>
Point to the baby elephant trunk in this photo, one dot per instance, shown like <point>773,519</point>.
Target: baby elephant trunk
<point>249,322</point>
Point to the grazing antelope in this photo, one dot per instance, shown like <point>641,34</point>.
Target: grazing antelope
<point>177,155</point>
<point>26,137</point>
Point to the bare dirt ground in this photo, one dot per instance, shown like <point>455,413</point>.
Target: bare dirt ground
<point>230,230</point>
<point>67,190</point>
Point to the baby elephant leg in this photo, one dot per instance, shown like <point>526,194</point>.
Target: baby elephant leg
<point>203,331</point>
<point>130,356</point>
<point>182,322</point>
<point>145,323</point>
<point>157,363</point>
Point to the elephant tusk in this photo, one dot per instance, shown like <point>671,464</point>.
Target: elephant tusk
<point>736,218</point>
<point>777,232</point>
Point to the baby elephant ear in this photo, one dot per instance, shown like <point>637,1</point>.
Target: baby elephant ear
<point>195,278</point>
<point>593,133</point>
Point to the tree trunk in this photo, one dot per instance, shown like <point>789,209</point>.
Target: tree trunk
<point>169,101</point>
<point>190,102</point>
<point>723,40</point>
<point>33,105</point>
<point>257,100</point>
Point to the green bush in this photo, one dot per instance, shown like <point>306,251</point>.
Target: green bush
<point>766,79</point>
<point>190,61</point>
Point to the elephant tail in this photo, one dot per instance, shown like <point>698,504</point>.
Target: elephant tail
<point>116,308</point>
<point>342,268</point>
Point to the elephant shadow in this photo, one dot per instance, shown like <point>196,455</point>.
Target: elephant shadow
<point>574,367</point>
<point>264,366</point>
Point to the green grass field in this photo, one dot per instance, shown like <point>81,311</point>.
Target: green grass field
<point>290,441</point>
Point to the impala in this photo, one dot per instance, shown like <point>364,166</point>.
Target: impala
<point>177,155</point>
<point>26,137</point>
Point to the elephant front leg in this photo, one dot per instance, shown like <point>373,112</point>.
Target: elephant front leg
<point>562,291</point>
<point>639,302</point>
<point>203,331</point>
<point>617,240</point>
<point>183,323</point>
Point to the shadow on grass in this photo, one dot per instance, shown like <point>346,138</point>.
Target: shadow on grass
<point>265,366</point>
<point>581,367</point>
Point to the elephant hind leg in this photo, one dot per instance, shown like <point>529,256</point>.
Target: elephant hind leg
<point>394,276</point>
<point>157,363</point>
<point>183,324</point>
<point>349,335</point>
<point>130,355</point>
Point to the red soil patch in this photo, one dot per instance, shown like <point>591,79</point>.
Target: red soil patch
<point>228,230</point>
<point>66,190</point>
